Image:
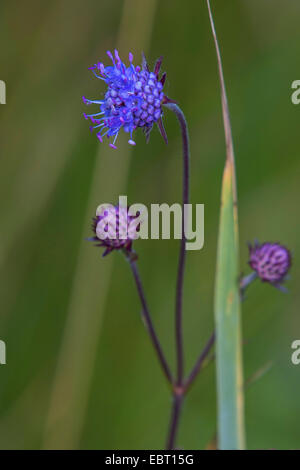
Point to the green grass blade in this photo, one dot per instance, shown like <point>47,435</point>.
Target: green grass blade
<point>227,317</point>
<point>227,298</point>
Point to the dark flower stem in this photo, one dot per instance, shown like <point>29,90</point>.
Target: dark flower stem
<point>181,265</point>
<point>148,322</point>
<point>199,363</point>
<point>175,414</point>
<point>246,281</point>
<point>178,390</point>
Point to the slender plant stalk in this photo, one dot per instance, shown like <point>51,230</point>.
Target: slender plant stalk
<point>199,363</point>
<point>178,388</point>
<point>148,322</point>
<point>231,433</point>
<point>246,281</point>
<point>178,393</point>
<point>182,254</point>
<point>174,421</point>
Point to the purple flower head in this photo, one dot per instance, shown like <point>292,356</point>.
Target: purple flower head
<point>114,229</point>
<point>134,98</point>
<point>270,261</point>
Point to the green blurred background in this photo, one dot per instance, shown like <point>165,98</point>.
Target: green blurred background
<point>80,369</point>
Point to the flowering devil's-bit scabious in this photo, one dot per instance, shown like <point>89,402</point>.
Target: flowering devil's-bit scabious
<point>270,261</point>
<point>114,229</point>
<point>134,98</point>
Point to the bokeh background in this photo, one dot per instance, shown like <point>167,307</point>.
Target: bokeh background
<point>80,369</point>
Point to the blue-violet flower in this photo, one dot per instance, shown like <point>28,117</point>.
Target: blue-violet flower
<point>133,99</point>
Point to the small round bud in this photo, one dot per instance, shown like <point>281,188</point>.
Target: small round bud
<point>114,229</point>
<point>270,261</point>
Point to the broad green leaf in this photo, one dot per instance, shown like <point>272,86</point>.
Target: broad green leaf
<point>227,318</point>
<point>227,296</point>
